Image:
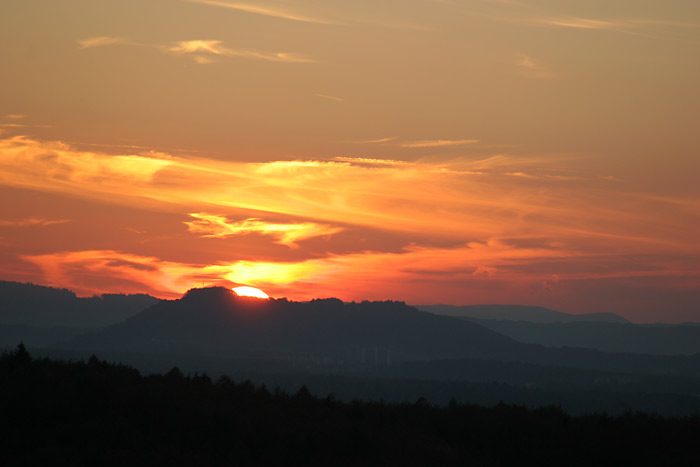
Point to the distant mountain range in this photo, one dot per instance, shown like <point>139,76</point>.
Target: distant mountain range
<point>42,316</point>
<point>36,305</point>
<point>336,336</point>
<point>656,339</point>
<point>533,314</point>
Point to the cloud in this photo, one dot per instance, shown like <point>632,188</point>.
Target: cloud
<point>265,11</point>
<point>350,16</point>
<point>15,116</point>
<point>202,50</point>
<point>529,66</point>
<point>439,230</point>
<point>372,141</point>
<point>102,41</point>
<point>434,143</point>
<point>19,125</point>
<point>338,274</point>
<point>445,201</point>
<point>214,47</point>
<point>645,27</point>
<point>32,221</point>
<point>330,98</point>
<point>370,161</point>
<point>211,225</point>
<point>208,46</point>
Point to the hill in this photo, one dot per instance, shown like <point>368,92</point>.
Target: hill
<point>336,336</point>
<point>36,305</point>
<point>40,315</point>
<point>534,314</point>
<point>216,321</point>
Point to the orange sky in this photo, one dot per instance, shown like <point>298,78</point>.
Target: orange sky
<point>525,152</point>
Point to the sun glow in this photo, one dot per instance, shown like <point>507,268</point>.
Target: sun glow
<point>250,292</point>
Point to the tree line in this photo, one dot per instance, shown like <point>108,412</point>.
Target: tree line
<point>99,413</point>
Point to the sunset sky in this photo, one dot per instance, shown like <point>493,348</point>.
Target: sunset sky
<point>534,152</point>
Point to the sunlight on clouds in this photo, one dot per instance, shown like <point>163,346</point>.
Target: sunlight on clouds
<point>474,268</point>
<point>200,50</point>
<point>476,199</point>
<point>99,42</point>
<point>511,224</point>
<point>188,47</point>
<point>372,141</point>
<point>31,221</point>
<point>210,225</point>
<point>216,48</point>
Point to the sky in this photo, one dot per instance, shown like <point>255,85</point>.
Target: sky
<point>526,152</point>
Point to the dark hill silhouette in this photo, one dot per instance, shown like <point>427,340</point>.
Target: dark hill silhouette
<point>535,314</point>
<point>36,305</point>
<point>41,316</point>
<point>214,321</point>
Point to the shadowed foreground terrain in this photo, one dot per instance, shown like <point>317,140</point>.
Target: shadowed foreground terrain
<point>96,413</point>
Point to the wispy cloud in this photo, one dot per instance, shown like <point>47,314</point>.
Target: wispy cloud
<point>645,27</point>
<point>266,11</point>
<point>524,222</point>
<point>370,161</point>
<point>19,125</point>
<point>372,141</point>
<point>330,98</point>
<point>202,51</point>
<point>215,47</point>
<point>32,222</point>
<point>101,41</point>
<point>348,16</point>
<point>208,46</point>
<point>531,67</point>
<point>434,143</point>
<point>15,116</point>
<point>212,225</point>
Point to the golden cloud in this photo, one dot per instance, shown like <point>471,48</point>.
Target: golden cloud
<point>211,225</point>
<point>31,221</point>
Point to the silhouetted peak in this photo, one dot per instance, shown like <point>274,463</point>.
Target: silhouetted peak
<point>208,293</point>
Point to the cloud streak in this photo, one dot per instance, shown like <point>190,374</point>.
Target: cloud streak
<point>265,11</point>
<point>531,67</point>
<point>31,222</point>
<point>436,143</point>
<point>512,223</point>
<point>100,41</point>
<point>330,98</point>
<point>212,225</point>
<point>202,51</point>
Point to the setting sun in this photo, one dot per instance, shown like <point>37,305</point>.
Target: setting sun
<point>250,292</point>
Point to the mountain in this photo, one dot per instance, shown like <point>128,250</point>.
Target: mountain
<point>660,339</point>
<point>336,336</point>
<point>216,321</point>
<point>41,316</point>
<point>534,314</point>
